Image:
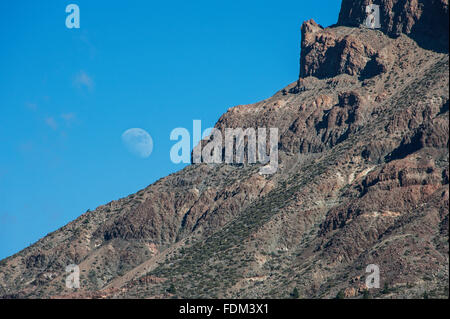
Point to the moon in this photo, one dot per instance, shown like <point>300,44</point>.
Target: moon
<point>138,142</point>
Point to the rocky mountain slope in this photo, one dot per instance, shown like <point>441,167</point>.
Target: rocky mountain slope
<point>363,179</point>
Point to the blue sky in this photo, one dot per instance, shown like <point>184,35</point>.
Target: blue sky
<point>67,95</point>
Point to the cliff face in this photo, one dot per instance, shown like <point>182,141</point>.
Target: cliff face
<point>330,52</point>
<point>424,20</point>
<point>363,179</point>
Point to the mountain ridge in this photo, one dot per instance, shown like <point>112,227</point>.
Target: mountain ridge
<point>362,179</point>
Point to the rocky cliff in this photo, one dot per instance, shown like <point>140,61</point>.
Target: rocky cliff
<point>426,21</point>
<point>363,179</point>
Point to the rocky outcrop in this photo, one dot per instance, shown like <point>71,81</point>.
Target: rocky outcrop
<point>427,21</point>
<point>326,53</point>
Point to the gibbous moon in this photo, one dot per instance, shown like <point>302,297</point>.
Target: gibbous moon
<point>138,142</point>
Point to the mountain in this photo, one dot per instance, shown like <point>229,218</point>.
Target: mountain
<point>363,179</point>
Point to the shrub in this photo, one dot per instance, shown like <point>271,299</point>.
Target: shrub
<point>171,289</point>
<point>295,293</point>
<point>340,295</point>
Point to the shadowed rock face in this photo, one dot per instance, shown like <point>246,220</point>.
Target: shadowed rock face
<point>426,21</point>
<point>363,179</point>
